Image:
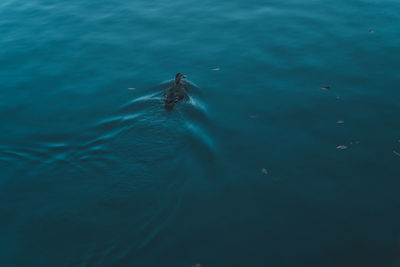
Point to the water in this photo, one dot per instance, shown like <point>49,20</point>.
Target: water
<point>247,173</point>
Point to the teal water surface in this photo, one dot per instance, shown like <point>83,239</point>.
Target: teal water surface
<point>261,167</point>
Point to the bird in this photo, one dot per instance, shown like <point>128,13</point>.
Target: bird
<point>175,93</point>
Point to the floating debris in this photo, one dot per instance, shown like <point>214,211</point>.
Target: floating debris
<point>326,87</point>
<point>132,88</point>
<point>340,122</point>
<point>252,116</point>
<point>396,153</point>
<point>216,69</point>
<point>371,31</point>
<point>341,147</point>
<point>197,265</point>
<point>264,170</point>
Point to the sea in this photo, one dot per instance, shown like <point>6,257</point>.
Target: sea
<point>285,154</point>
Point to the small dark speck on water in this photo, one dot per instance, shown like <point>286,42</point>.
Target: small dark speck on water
<point>371,31</point>
<point>326,87</point>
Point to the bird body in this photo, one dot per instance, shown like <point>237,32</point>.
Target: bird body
<point>176,92</point>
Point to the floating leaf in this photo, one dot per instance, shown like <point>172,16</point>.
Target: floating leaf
<point>132,88</point>
<point>341,147</point>
<point>264,170</point>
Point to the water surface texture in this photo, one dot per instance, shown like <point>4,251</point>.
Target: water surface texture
<point>261,167</point>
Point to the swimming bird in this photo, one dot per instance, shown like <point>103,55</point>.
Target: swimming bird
<point>176,92</point>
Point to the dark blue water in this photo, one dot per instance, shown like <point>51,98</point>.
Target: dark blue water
<point>260,168</point>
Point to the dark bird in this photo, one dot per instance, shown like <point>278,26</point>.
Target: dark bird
<point>176,92</point>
